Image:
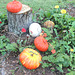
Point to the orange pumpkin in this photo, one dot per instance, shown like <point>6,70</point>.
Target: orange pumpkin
<point>41,43</point>
<point>30,58</point>
<point>14,6</point>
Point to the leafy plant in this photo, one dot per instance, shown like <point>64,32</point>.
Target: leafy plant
<point>41,16</point>
<point>6,46</point>
<point>71,73</point>
<point>62,43</point>
<point>62,21</point>
<point>3,19</point>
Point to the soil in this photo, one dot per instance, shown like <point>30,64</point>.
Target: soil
<point>71,10</point>
<point>10,64</point>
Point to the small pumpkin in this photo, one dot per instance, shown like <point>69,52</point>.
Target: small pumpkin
<point>49,24</point>
<point>14,6</point>
<point>35,29</point>
<point>30,58</point>
<point>41,43</point>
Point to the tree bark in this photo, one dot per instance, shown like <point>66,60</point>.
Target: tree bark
<point>22,19</point>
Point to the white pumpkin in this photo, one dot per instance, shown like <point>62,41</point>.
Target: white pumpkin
<point>34,29</point>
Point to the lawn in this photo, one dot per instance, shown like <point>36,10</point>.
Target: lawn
<point>35,4</point>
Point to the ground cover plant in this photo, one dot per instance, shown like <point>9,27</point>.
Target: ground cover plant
<point>63,41</point>
<point>3,20</point>
<point>61,51</point>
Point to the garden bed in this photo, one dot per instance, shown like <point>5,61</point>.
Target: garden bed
<point>10,64</point>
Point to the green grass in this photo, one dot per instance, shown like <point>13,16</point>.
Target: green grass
<point>36,4</point>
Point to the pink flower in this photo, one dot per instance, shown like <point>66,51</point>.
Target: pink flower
<point>53,51</point>
<point>23,30</point>
<point>0,22</point>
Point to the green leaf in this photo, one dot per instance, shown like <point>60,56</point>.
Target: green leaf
<point>47,14</point>
<point>60,69</point>
<point>56,26</point>
<point>69,69</point>
<point>21,49</point>
<point>1,46</point>
<point>71,30</point>
<point>48,38</point>
<point>66,56</point>
<point>69,42</point>
<point>18,41</point>
<point>73,24</point>
<point>71,73</point>
<point>47,31</point>
<point>14,45</point>
<point>49,48</point>
<point>30,46</point>
<point>3,53</point>
<point>3,50</point>
<point>51,58</point>
<point>45,65</point>
<point>62,49</point>
<point>66,63</point>
<point>45,58</point>
<point>10,47</point>
<point>59,59</point>
<point>3,37</point>
<point>4,44</point>
<point>25,41</point>
<point>7,40</point>
<point>60,65</point>
<point>56,32</point>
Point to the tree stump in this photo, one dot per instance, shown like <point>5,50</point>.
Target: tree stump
<point>22,19</point>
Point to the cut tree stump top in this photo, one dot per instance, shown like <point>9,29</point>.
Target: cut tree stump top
<point>25,8</point>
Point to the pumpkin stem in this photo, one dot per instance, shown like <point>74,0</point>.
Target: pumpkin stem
<point>32,54</point>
